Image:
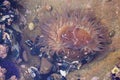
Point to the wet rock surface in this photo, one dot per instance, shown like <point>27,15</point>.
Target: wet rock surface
<point>102,9</point>
<point>32,65</point>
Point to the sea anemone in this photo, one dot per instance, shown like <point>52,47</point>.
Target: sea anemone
<point>74,34</point>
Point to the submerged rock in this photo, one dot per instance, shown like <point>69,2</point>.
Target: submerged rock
<point>45,67</point>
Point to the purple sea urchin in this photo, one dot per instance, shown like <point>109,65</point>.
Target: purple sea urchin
<point>75,34</point>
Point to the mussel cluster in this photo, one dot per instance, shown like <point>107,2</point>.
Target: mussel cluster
<point>9,40</point>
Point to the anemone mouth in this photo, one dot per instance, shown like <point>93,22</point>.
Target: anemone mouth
<point>75,33</point>
<point>73,37</point>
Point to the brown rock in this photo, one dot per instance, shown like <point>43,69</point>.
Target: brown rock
<point>45,66</point>
<point>25,56</point>
<point>48,7</point>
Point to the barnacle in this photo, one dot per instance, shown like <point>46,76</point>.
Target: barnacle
<point>74,34</point>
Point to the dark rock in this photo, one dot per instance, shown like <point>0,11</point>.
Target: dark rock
<point>112,33</point>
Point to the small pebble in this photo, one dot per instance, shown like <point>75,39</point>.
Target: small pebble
<point>25,56</point>
<point>23,66</point>
<point>109,42</point>
<point>36,20</point>
<point>95,78</point>
<point>37,6</point>
<point>112,33</point>
<point>31,26</point>
<point>48,8</point>
<point>77,75</point>
<point>28,11</point>
<point>108,0</point>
